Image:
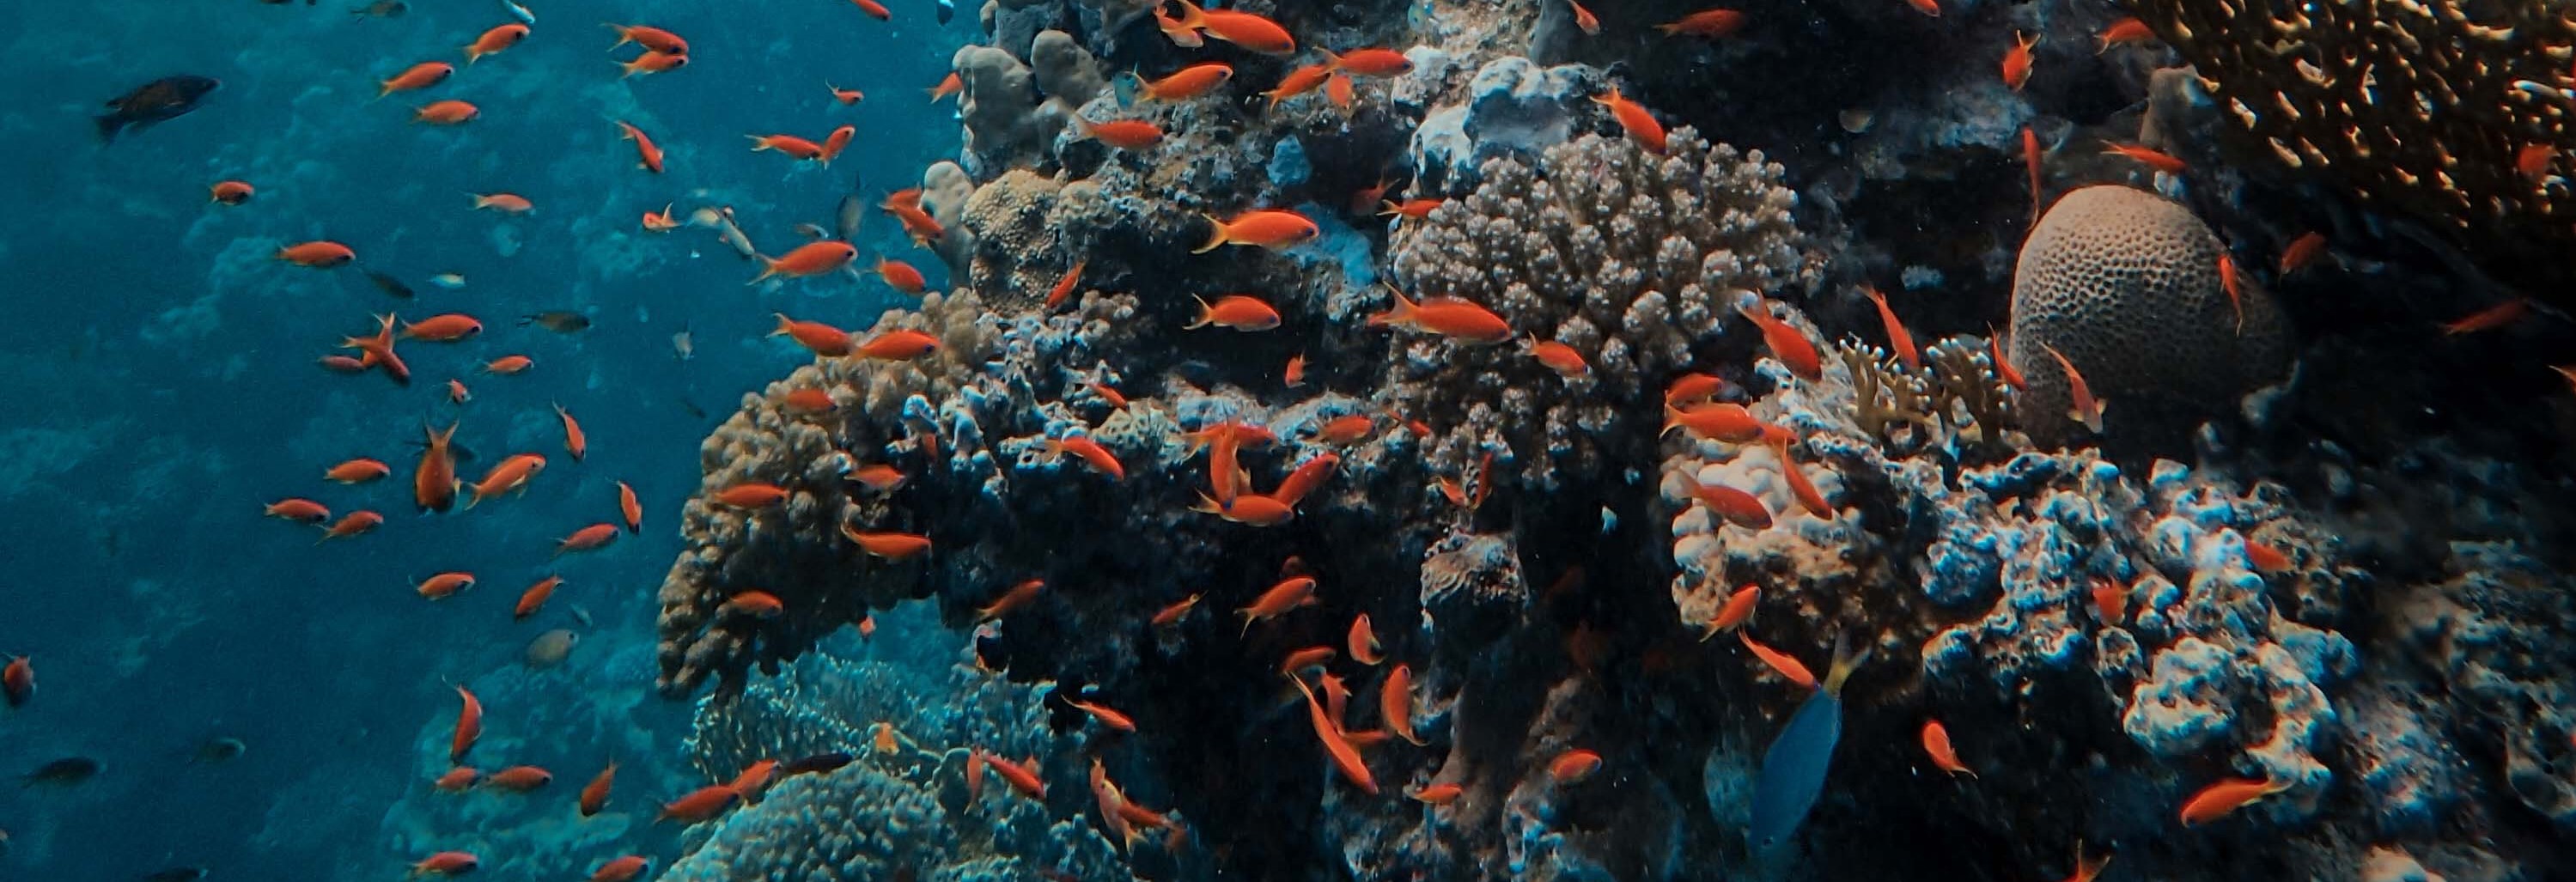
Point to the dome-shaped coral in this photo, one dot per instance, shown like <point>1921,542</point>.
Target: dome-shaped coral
<point>2125,283</point>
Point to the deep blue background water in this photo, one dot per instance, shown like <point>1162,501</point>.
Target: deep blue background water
<point>157,386</point>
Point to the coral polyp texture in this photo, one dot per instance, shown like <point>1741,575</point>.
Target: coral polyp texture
<point>1630,258</point>
<point>2418,109</point>
<point>2127,286</point>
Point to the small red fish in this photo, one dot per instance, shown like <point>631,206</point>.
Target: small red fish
<point>1289,594</point>
<point>418,76</point>
<point>1936,744</point>
<point>505,203</point>
<point>1124,134</point>
<point>2125,32</point>
<point>457,393</point>
<point>809,259</point>
<point>1064,286</point>
<point>2155,159</point>
<point>1089,451</point>
<point>1363,642</point>
<point>2110,600</point>
<point>1439,794</point>
<point>624,869</point>
<point>2490,318</point>
<point>2030,156</point>
<point>1792,348</point>
<point>534,599</point>
<point>1266,228</point>
<point>750,495</point>
<point>874,9</point>
<point>469,726</point>
<point>903,345</point>
<point>320,254</point>
<point>1445,316</point>
<point>232,192</point>
<point>509,365</point>
<point>594,795</point>
<point>2016,67</point>
<point>1634,119</point>
<point>648,155</point>
<point>446,863</point>
<point>1395,703</point>
<point>1704,23</point>
<point>630,508</point>
<point>878,478</point>
<point>2533,160</point>
<point>820,338</point>
<point>1236,311</point>
<point>1558,357</point>
<point>355,523</point>
<point>2003,366</point>
<point>1022,776</point>
<point>590,538</point>
<point>456,780</point>
<point>1729,504</point>
<point>1897,337</point>
<point>576,442</point>
<point>702,804</point>
<point>499,37</point>
<point>1298,82</point>
<point>1105,715</point>
<point>298,509</point>
<point>1927,7</point>
<point>649,37</point>
<point>1737,610</point>
<point>1188,82</point>
<point>450,112</point>
<point>1786,665</point>
<point>901,276</point>
<point>2084,407</point>
<point>519,779</point>
<point>753,604</point>
<point>444,585</point>
<point>1371,62</point>
<point>888,545</point>
<point>2302,251</point>
<point>948,85</point>
<point>2219,800</point>
<point>652,63</point>
<point>1244,29</point>
<point>18,681</point>
<point>1337,745</point>
<point>845,96</point>
<point>1573,766</point>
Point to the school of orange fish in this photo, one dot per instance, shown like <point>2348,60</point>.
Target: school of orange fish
<point>1690,405</point>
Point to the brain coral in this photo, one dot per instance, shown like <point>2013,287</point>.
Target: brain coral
<point>2126,284</point>
<point>1628,257</point>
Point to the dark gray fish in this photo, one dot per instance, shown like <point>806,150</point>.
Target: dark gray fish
<point>693,409</point>
<point>63,772</point>
<point>947,10</point>
<point>561,321</point>
<point>846,221</point>
<point>812,231</point>
<point>392,287</point>
<point>163,99</point>
<point>219,750</point>
<point>818,764</point>
<point>177,874</point>
<point>382,9</point>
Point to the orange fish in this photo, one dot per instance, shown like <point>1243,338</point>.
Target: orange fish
<point>1737,610</point>
<point>1729,504</point>
<point>798,148</point>
<point>576,442</point>
<point>1289,594</point>
<point>1803,490</point>
<point>753,779</point>
<point>232,192</point>
<point>2087,869</point>
<point>1440,794</point>
<point>822,339</point>
<point>1704,23</point>
<point>446,863</point>
<point>2490,318</point>
<point>2003,366</point>
<point>874,9</point>
<point>1124,134</point>
<point>498,38</point>
<point>630,508</point>
<point>1446,316</point>
<point>754,605</point>
<point>2267,558</point>
<point>2567,372</point>
<point>974,775</point>
<point>1173,613</point>
<point>648,154</point>
<point>1300,81</point>
<point>2016,65</point>
<point>469,726</point>
<point>903,345</point>
<point>343,364</point>
<point>1336,745</point>
<point>1108,394</point>
<point>1410,208</point>
<point>317,254</point>
<point>1188,82</point>
<point>878,478</point>
<point>2110,600</point>
<point>1098,457</point>
<point>1305,478</point>
<point>652,63</point>
<point>1787,665</point>
<point>1395,703</point>
<point>456,392</point>
<point>456,780</point>
<point>433,483</point>
<point>2155,159</point>
<point>702,804</point>
<point>447,113</point>
<point>2218,800</point>
<point>1634,119</point>
<point>1249,508</point>
<point>1792,348</point>
<point>808,400</point>
<point>1012,600</point>
<point>1252,32</point>
<point>511,473</point>
<point>534,599</point>
<point>1897,337</point>
<point>1363,642</point>
<point>1936,744</point>
<point>1927,7</point>
<point>1573,766</point>
<point>649,37</point>
<point>1064,285</point>
<point>2532,161</point>
<point>1558,357</point>
<point>1022,776</point>
<point>1237,311</point>
<point>358,471</point>
<point>443,328</point>
<point>590,538</point>
<point>1689,388</point>
<point>624,869</point>
<point>1347,429</point>
<point>661,222</point>
<point>354,523</point>
<point>1722,421</point>
<point>835,142</point>
<point>2302,251</point>
<point>949,85</point>
<point>2084,408</point>
<point>418,76</point>
<point>1106,716</point>
<point>1371,62</point>
<point>751,495</point>
<point>1265,228</point>
<point>1310,657</point>
<point>18,681</point>
<point>2030,157</point>
<point>888,545</point>
<point>2126,31</point>
<point>519,779</point>
<point>901,276</point>
<point>845,96</point>
<point>508,365</point>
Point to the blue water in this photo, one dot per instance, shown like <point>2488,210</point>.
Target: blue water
<point>158,378</point>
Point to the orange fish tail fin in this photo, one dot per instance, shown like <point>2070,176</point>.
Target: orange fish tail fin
<point>1400,313</point>
<point>769,268</point>
<point>1207,314</point>
<point>1219,236</point>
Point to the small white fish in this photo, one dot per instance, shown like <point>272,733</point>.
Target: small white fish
<point>449,281</point>
<point>519,12</point>
<point>684,346</point>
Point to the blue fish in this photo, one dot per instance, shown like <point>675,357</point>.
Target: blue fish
<point>1793,768</point>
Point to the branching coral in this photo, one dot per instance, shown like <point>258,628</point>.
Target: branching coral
<point>2125,284</point>
<point>2419,108</point>
<point>1630,258</point>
